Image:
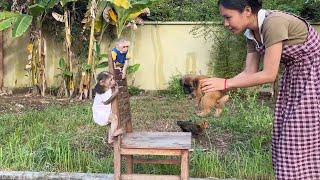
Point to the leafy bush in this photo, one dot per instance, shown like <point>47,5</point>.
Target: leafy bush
<point>311,11</point>
<point>207,10</point>
<point>174,88</point>
<point>292,6</point>
<point>134,90</point>
<point>184,10</point>
<point>228,50</point>
<point>230,56</point>
<point>5,5</point>
<point>308,9</point>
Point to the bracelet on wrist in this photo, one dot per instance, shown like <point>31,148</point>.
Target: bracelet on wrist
<point>225,84</point>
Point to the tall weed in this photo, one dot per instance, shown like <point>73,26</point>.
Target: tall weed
<point>174,87</point>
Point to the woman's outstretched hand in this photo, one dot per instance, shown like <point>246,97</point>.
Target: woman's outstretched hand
<point>213,84</point>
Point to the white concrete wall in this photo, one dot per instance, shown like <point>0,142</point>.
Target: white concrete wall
<point>162,49</point>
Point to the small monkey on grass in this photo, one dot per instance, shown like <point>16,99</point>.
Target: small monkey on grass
<point>102,112</point>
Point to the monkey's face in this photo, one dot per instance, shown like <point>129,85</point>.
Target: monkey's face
<point>123,46</point>
<point>110,82</point>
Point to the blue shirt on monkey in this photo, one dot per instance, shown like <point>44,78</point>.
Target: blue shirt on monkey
<point>119,58</point>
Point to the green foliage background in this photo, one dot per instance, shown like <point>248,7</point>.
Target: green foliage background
<point>229,50</point>
<point>5,5</point>
<point>207,10</point>
<point>184,10</point>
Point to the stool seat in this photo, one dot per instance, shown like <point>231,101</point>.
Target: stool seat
<point>156,140</point>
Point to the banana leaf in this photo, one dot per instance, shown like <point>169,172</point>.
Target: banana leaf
<point>64,2</point>
<point>139,5</point>
<point>86,67</point>
<point>100,7</point>
<point>67,73</point>
<point>102,65</point>
<point>121,3</point>
<point>7,23</point>
<point>125,15</point>
<point>62,63</point>
<point>112,15</point>
<point>98,25</point>
<point>7,15</point>
<point>51,4</point>
<point>43,2</point>
<point>103,56</point>
<point>134,68</point>
<point>21,26</point>
<point>36,9</point>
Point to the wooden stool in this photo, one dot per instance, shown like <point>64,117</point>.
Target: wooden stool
<point>145,143</point>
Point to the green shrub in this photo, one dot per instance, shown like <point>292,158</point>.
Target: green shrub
<point>184,10</point>
<point>207,10</point>
<point>5,5</point>
<point>230,54</point>
<point>174,88</point>
<point>228,50</point>
<point>311,11</point>
<point>134,90</point>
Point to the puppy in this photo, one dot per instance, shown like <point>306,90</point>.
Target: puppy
<point>206,101</point>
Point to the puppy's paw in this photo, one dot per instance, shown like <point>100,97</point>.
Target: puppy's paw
<point>202,114</point>
<point>217,113</point>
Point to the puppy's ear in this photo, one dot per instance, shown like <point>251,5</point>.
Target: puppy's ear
<point>181,83</point>
<point>196,83</point>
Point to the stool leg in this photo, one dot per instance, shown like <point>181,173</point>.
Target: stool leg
<point>185,164</point>
<point>129,162</point>
<point>117,160</point>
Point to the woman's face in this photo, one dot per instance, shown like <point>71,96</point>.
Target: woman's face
<point>234,20</point>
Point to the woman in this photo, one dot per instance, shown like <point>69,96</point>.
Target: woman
<point>281,38</point>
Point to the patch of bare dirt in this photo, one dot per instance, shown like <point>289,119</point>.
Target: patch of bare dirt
<point>16,103</point>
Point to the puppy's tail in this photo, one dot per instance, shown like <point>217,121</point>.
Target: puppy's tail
<point>223,100</point>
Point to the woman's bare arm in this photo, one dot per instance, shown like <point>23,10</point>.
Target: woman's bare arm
<point>250,76</point>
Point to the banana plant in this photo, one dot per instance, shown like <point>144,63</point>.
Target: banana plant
<point>68,87</point>
<point>20,23</point>
<point>124,12</point>
<point>94,21</point>
<point>85,82</point>
<point>39,11</point>
<point>97,61</point>
<point>65,74</point>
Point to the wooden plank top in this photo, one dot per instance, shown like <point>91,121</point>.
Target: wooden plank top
<point>157,140</point>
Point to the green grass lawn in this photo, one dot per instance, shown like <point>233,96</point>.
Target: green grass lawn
<point>64,138</point>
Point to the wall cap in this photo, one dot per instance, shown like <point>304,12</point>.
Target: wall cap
<point>195,23</point>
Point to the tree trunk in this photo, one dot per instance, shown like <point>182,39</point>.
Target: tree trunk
<point>85,86</point>
<point>69,79</point>
<point>1,61</point>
